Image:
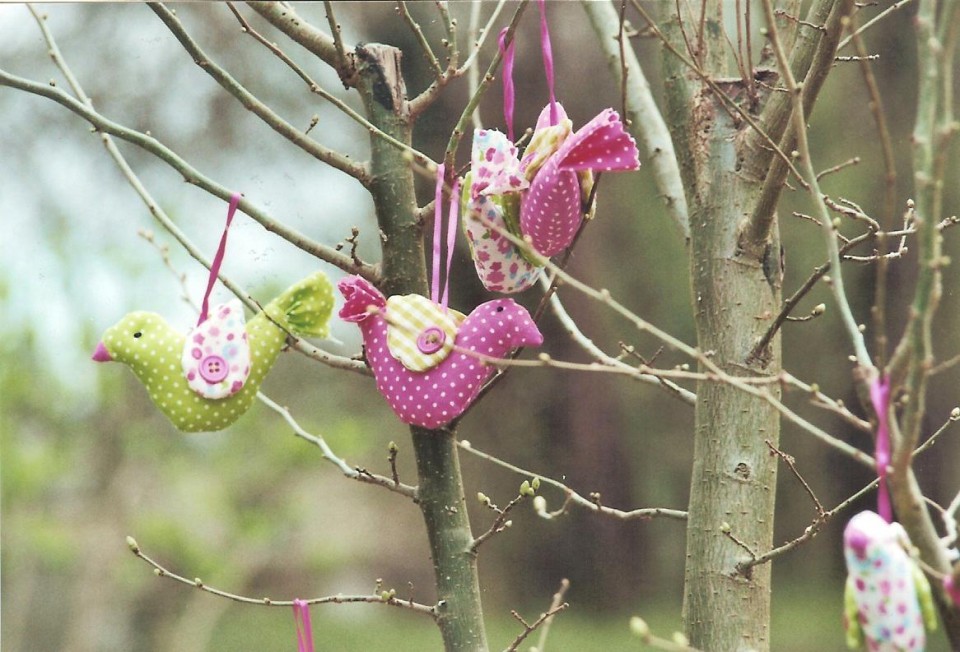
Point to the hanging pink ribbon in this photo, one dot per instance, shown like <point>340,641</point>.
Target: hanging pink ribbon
<point>507,50</point>
<point>301,616</point>
<point>436,295</point>
<point>218,258</point>
<point>880,398</point>
<point>548,61</point>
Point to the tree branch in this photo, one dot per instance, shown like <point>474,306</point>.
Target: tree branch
<point>190,174</point>
<point>642,116</point>
<point>282,16</point>
<point>810,60</point>
<point>326,155</point>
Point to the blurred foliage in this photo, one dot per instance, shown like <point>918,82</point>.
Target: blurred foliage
<point>86,460</point>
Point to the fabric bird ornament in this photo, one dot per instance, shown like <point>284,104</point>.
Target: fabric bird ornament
<point>541,197</point>
<point>551,211</point>
<point>205,380</point>
<point>424,391</point>
<point>887,598</point>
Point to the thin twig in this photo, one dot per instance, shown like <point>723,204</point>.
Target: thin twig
<point>342,60</point>
<point>573,496</point>
<point>800,132</point>
<point>873,21</point>
<point>159,214</point>
<point>529,628</point>
<point>361,475</point>
<point>315,88</point>
<point>189,173</point>
<point>450,154</point>
<point>385,598</point>
<point>792,465</point>
<point>554,604</point>
<point>253,104</point>
<point>425,48</point>
<point>499,524</point>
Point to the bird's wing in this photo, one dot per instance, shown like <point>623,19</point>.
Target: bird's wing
<point>420,333</point>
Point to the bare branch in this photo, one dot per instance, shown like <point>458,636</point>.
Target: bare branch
<point>642,116</point>
<point>282,16</point>
<point>385,598</point>
<point>332,158</point>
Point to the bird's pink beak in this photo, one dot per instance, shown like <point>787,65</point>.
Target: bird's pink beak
<point>100,354</point>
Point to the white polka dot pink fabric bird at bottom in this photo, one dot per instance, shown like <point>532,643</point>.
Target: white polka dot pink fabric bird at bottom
<point>885,590</point>
<point>435,397</point>
<point>551,210</point>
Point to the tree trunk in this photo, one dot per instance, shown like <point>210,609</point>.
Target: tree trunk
<point>736,288</point>
<point>440,493</point>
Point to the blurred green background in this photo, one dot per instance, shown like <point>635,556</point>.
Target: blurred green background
<point>87,460</point>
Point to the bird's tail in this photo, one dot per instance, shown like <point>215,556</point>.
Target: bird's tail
<point>601,145</point>
<point>304,308</point>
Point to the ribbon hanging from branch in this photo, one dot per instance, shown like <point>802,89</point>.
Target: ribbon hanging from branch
<point>218,258</point>
<point>436,295</point>
<point>880,398</point>
<point>301,616</point>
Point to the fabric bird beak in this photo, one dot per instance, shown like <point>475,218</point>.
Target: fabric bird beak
<point>100,354</point>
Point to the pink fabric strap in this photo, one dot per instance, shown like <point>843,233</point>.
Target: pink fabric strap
<point>453,220</point>
<point>436,295</point>
<point>301,616</point>
<point>880,398</point>
<point>547,61</point>
<point>507,50</point>
<point>437,231</point>
<point>218,258</point>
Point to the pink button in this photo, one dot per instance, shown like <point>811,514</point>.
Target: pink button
<point>213,369</point>
<point>431,340</point>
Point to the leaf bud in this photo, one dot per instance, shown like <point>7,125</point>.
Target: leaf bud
<point>639,627</point>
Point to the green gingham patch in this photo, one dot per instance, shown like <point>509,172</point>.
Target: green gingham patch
<point>420,333</point>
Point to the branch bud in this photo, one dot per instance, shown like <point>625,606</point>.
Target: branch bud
<point>639,627</point>
<point>526,489</point>
<point>955,414</point>
<point>540,504</point>
<point>132,544</point>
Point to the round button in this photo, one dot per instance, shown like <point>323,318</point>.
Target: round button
<point>213,369</point>
<point>431,340</point>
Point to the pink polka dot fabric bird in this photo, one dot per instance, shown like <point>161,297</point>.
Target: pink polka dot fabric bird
<point>887,597</point>
<point>551,210</point>
<point>433,397</point>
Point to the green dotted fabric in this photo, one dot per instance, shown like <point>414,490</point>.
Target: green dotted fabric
<point>146,343</point>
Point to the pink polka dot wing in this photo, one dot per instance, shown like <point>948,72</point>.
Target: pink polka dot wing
<point>432,397</point>
<point>887,597</point>
<point>552,208</point>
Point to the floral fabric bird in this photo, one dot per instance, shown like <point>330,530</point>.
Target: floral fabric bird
<point>198,383</point>
<point>439,392</point>
<point>539,197</point>
<point>887,597</point>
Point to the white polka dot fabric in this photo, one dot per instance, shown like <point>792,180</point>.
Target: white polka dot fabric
<point>433,398</point>
<point>886,593</point>
<point>152,348</point>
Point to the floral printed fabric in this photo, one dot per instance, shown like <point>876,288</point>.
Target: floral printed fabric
<point>216,354</point>
<point>887,596</point>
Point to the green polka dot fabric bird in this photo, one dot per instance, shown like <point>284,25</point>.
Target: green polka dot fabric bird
<point>164,358</point>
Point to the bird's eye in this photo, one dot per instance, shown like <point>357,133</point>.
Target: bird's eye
<point>138,334</point>
<point>499,308</point>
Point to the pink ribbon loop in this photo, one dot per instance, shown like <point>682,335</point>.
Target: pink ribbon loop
<point>218,258</point>
<point>508,52</point>
<point>301,616</point>
<point>880,398</point>
<point>437,231</point>
<point>436,295</point>
<point>548,61</point>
